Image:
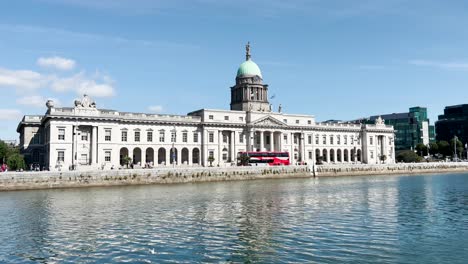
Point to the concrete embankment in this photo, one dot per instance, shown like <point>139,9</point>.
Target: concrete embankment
<point>67,179</point>
<point>386,169</point>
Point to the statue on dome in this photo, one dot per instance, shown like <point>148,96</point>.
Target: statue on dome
<point>247,51</point>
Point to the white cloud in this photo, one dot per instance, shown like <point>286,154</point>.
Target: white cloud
<point>82,84</point>
<point>10,114</point>
<point>36,101</point>
<point>441,65</point>
<point>58,63</point>
<point>21,79</point>
<point>155,108</point>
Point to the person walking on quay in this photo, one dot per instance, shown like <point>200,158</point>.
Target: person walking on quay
<point>4,167</point>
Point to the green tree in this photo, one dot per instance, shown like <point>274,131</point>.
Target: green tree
<point>408,156</point>
<point>210,160</point>
<point>444,148</point>
<point>433,148</point>
<point>127,160</point>
<point>15,161</point>
<point>244,159</point>
<point>421,149</point>
<point>4,151</point>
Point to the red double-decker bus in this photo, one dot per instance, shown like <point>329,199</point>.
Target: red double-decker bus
<point>253,158</point>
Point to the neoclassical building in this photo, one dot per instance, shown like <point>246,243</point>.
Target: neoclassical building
<point>86,137</point>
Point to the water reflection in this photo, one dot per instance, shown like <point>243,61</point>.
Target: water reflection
<point>417,219</point>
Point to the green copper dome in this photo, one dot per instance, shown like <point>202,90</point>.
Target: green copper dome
<point>249,68</point>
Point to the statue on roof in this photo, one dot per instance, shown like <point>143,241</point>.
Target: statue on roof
<point>247,51</point>
<point>85,102</point>
<point>379,121</point>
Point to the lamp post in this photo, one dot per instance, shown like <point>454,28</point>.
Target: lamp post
<point>455,139</point>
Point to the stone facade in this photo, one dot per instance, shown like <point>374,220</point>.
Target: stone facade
<point>85,137</point>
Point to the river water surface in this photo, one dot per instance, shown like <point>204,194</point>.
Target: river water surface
<point>380,219</point>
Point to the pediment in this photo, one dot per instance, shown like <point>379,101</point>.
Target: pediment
<point>269,121</point>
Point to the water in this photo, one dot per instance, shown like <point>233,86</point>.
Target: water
<point>392,219</point>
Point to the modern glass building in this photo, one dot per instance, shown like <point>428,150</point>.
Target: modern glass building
<point>454,122</point>
<point>411,128</point>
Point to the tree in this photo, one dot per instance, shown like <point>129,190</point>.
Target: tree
<point>459,146</point>
<point>408,156</point>
<point>4,150</point>
<point>383,158</point>
<point>421,149</point>
<point>16,162</point>
<point>433,148</point>
<point>444,148</point>
<point>210,160</point>
<point>243,159</point>
<point>127,160</point>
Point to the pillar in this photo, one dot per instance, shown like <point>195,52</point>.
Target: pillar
<point>232,146</point>
<point>261,147</point>
<point>220,138</point>
<point>94,158</point>
<point>143,157</point>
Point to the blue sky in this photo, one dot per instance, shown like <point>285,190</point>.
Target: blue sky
<point>334,59</point>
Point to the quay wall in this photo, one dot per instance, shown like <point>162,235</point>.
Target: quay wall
<point>70,179</point>
<point>387,169</point>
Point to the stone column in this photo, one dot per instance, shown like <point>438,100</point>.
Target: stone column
<point>232,146</point>
<point>189,157</point>
<point>168,156</point>
<point>220,135</point>
<point>74,149</point>
<point>261,147</point>
<point>302,146</point>
<point>143,157</point>
<point>94,147</point>
<point>280,141</point>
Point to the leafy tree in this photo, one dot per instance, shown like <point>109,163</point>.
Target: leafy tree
<point>444,148</point>
<point>210,160</point>
<point>421,149</point>
<point>4,151</point>
<point>243,159</point>
<point>408,156</point>
<point>433,148</point>
<point>383,158</point>
<point>16,161</point>
<point>127,160</point>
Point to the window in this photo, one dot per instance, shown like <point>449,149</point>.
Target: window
<point>285,120</point>
<point>309,122</point>
<point>285,137</point>
<point>297,121</point>
<point>352,140</point>
<point>210,117</point>
<point>137,136</point>
<point>295,140</point>
<point>226,117</point>
<point>324,139</point>
<point>225,138</point>
<point>241,138</point>
<point>331,140</point>
<point>107,156</point>
<point>61,134</point>
<point>84,136</point>
<point>184,137</point>
<point>84,159</point>
<point>241,118</point>
<point>310,155</point>
<point>225,156</point>
<point>195,137</point>
<point>317,139</point>
<point>36,139</point>
<point>173,136</point>
<point>211,137</point>
<point>60,156</point>
<point>124,136</point>
<point>149,136</point>
<point>309,139</point>
<point>372,154</point>
<point>338,139</point>
<point>107,135</point>
<point>346,140</point>
<point>371,140</point>
<point>211,153</point>
<point>161,136</point>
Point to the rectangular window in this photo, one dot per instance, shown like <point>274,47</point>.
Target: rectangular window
<point>124,136</point>
<point>107,135</point>
<point>352,140</point>
<point>310,155</point>
<point>309,139</point>
<point>195,137</point>
<point>295,140</point>
<point>107,156</point>
<point>226,117</point>
<point>210,117</point>
<point>184,137</point>
<point>225,156</point>
<point>331,140</point>
<point>297,121</point>
<point>84,159</point>
<point>285,120</point>
<point>338,139</point>
<point>346,140</point>
<point>371,140</point>
<point>241,138</point>
<point>149,136</point>
<point>60,156</point>
<point>225,138</point>
<point>317,140</point>
<point>84,136</point>
<point>173,136</point>
<point>211,153</point>
<point>161,136</point>
<point>371,154</point>
<point>324,140</point>
<point>61,134</point>
<point>137,136</point>
<point>285,138</point>
<point>211,137</point>
<point>309,122</point>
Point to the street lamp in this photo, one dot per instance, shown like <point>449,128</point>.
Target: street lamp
<point>173,136</point>
<point>455,139</point>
